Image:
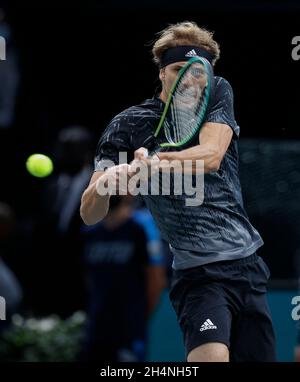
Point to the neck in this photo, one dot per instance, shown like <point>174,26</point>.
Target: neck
<point>163,96</point>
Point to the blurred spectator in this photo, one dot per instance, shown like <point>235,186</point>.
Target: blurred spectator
<point>125,280</point>
<point>9,76</point>
<point>10,288</point>
<point>156,255</point>
<point>58,253</point>
<point>9,80</point>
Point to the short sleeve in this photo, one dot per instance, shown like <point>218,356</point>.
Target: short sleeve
<point>222,109</point>
<point>114,146</point>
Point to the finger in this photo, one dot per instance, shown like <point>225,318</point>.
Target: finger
<point>133,168</point>
<point>141,153</point>
<point>122,168</point>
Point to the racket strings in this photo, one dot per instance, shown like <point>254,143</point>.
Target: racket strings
<point>185,114</point>
<point>186,109</point>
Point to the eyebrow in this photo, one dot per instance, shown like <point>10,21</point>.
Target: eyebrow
<point>178,67</point>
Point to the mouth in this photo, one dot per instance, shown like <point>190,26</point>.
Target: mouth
<point>188,97</point>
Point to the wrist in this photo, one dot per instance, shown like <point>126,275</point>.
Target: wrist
<point>169,156</point>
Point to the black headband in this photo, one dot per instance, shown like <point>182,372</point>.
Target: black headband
<point>183,53</point>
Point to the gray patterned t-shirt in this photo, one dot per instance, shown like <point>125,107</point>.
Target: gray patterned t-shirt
<point>218,229</point>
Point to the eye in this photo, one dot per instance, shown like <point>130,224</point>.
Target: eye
<point>197,72</point>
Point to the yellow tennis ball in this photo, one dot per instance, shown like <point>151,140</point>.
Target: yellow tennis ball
<point>39,165</point>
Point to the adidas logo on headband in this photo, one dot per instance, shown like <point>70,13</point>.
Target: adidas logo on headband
<point>191,53</point>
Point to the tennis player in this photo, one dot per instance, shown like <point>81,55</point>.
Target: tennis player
<point>219,282</point>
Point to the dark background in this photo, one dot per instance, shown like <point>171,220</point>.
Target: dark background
<point>82,64</point>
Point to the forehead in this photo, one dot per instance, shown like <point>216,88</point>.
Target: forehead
<point>178,64</point>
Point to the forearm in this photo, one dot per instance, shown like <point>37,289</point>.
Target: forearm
<point>206,152</point>
<point>94,207</point>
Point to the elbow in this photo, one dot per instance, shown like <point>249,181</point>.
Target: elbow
<point>87,219</point>
<point>214,162</point>
<point>84,213</point>
<point>87,215</point>
<point>214,165</point>
<point>84,216</point>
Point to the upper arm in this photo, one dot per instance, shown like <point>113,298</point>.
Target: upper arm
<point>221,110</point>
<point>220,126</point>
<point>216,135</point>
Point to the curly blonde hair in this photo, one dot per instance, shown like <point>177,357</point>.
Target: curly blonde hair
<point>185,33</point>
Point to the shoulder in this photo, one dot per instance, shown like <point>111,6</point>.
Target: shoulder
<point>221,108</point>
<point>148,110</point>
<point>222,85</point>
<point>222,94</point>
<point>134,125</point>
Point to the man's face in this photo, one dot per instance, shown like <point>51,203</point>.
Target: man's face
<point>194,80</point>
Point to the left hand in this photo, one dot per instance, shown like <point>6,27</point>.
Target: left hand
<point>141,156</point>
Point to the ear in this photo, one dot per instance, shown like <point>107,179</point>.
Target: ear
<point>162,74</point>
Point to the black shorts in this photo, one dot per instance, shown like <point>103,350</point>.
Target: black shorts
<point>226,302</point>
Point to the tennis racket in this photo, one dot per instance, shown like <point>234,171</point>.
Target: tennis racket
<point>186,106</point>
<point>183,115</point>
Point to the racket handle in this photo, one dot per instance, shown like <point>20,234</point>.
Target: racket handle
<point>154,153</point>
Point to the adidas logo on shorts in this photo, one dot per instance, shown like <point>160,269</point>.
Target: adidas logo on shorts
<point>207,325</point>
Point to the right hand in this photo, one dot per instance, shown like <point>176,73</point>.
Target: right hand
<point>114,181</point>
<point>141,156</point>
